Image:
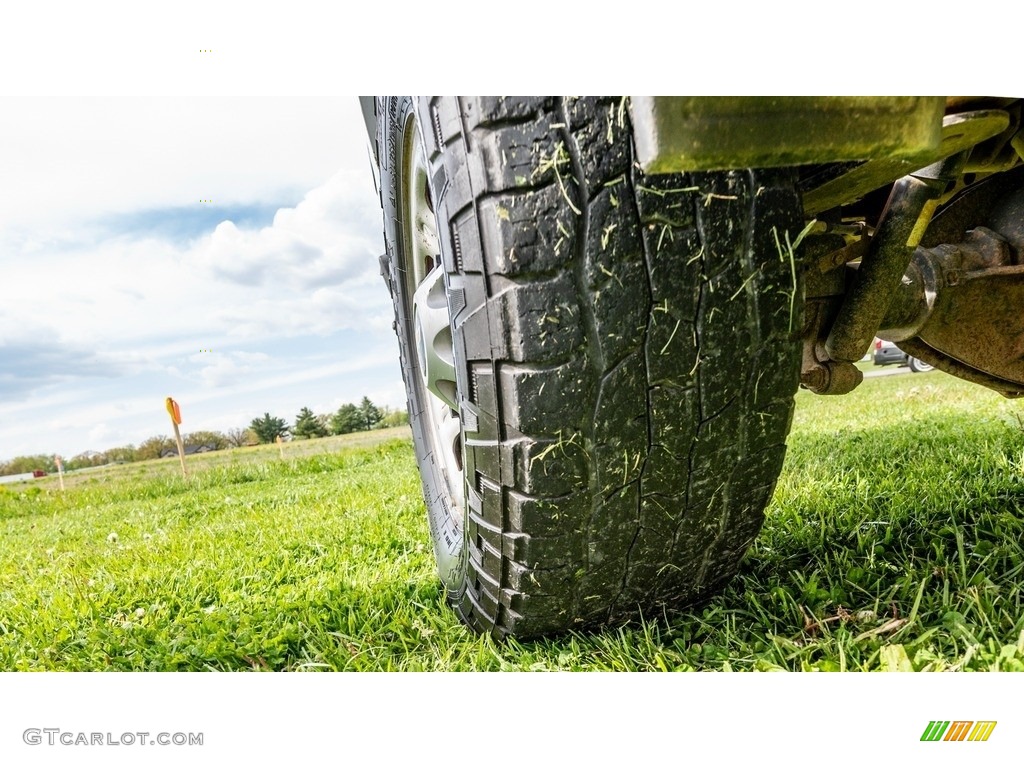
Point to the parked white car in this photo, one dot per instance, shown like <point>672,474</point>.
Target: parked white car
<point>887,353</point>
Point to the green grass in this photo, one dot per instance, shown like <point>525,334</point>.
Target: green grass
<point>235,456</point>
<point>894,541</point>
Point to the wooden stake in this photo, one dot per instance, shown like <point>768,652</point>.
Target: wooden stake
<point>280,445</point>
<point>60,472</point>
<point>181,448</point>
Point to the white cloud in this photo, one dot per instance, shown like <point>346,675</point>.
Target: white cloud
<point>228,369</point>
<point>99,433</point>
<point>317,262</point>
<point>313,271</point>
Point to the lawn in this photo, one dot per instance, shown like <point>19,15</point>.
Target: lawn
<point>894,541</point>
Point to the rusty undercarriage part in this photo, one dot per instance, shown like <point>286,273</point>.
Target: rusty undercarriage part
<point>959,306</point>
<point>904,219</point>
<point>949,291</point>
<point>827,368</point>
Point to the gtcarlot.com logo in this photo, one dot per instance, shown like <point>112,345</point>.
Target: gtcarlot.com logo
<point>958,730</point>
<point>59,737</point>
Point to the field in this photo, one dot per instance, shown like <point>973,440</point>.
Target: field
<point>895,541</point>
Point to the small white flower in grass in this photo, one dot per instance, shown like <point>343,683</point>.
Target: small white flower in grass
<point>210,609</point>
<point>140,612</point>
<point>112,537</point>
<point>147,536</point>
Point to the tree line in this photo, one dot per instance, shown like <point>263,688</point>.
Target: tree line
<point>350,417</point>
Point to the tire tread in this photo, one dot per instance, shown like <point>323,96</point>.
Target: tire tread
<point>630,361</point>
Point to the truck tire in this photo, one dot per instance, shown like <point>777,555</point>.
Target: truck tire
<point>600,365</point>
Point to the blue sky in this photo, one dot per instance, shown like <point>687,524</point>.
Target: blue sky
<point>188,222</point>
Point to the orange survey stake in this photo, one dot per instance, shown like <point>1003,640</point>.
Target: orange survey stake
<point>175,413</point>
<point>173,409</point>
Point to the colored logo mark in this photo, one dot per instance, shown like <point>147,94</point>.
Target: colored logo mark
<point>958,730</point>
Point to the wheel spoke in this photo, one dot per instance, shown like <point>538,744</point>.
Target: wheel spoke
<point>449,433</point>
<point>434,338</point>
<point>423,223</point>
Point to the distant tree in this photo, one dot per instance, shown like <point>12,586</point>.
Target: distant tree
<point>307,426</point>
<point>19,465</point>
<point>217,440</point>
<point>324,420</point>
<point>81,461</point>
<point>346,419</point>
<point>268,428</point>
<point>369,413</point>
<point>394,418</point>
<point>86,459</point>
<point>154,447</point>
<point>124,453</point>
<point>240,436</point>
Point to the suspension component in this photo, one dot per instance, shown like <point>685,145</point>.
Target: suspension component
<point>959,304</point>
<point>950,300</point>
<point>827,367</point>
<point>904,219</point>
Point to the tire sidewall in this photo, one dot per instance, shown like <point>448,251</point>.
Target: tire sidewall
<point>395,121</point>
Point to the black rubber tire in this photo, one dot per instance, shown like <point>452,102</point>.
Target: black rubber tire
<point>626,351</point>
<point>918,366</point>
